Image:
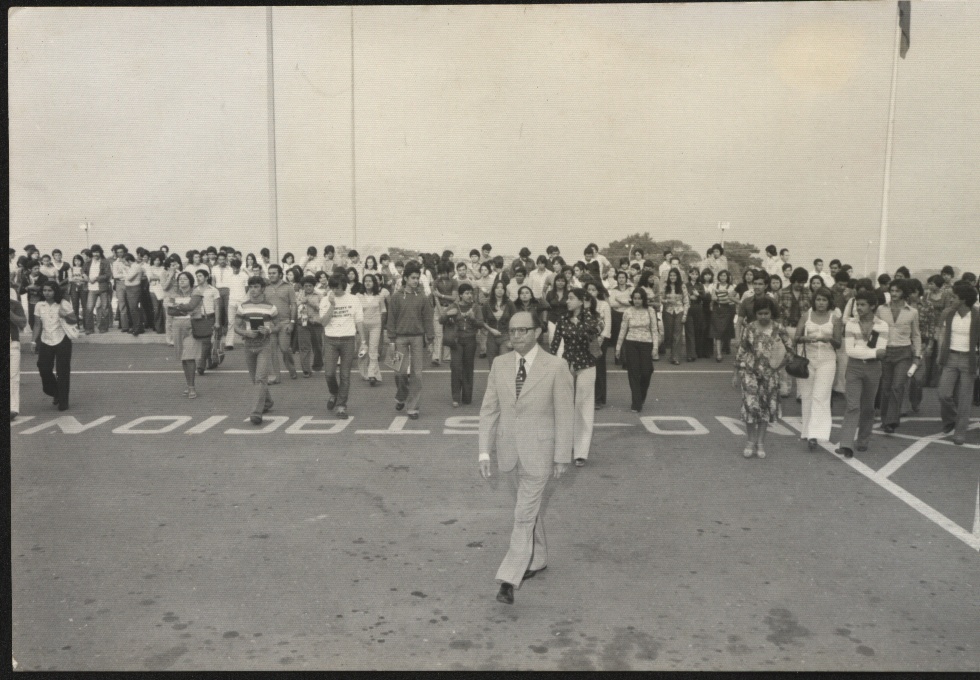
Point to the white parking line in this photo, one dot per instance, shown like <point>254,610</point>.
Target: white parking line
<point>972,539</point>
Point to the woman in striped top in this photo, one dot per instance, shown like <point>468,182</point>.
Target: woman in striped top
<point>723,302</point>
<point>634,344</point>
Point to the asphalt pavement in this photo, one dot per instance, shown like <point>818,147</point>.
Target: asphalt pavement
<point>153,532</point>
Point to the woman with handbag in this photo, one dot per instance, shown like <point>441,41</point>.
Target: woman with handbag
<point>635,346</point>
<point>54,328</point>
<point>185,307</point>
<point>598,293</point>
<point>579,329</point>
<point>496,320</point>
<point>461,320</point>
<point>763,349</point>
<point>209,321</point>
<point>816,332</point>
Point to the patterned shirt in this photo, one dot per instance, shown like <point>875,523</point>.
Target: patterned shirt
<point>791,306</point>
<point>255,314</point>
<point>577,337</point>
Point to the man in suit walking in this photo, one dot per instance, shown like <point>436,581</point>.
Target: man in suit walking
<point>526,418</point>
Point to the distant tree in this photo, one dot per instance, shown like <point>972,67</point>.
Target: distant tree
<point>652,250</point>
<point>403,254</point>
<point>741,256</point>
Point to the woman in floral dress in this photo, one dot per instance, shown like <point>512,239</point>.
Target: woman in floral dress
<point>763,350</point>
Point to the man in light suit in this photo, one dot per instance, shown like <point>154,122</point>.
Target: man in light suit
<point>526,417</point>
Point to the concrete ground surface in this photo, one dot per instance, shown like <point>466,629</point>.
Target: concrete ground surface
<point>284,548</point>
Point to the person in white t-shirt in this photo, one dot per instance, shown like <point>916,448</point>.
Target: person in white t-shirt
<point>342,317</point>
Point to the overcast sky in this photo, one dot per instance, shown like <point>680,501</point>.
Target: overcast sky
<point>514,125</point>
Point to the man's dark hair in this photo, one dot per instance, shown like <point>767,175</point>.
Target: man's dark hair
<point>542,259</point>
<point>869,296</point>
<point>274,266</point>
<point>835,261</point>
<point>235,263</point>
<point>967,293</point>
<point>525,252</point>
<point>253,280</point>
<point>309,278</point>
<point>884,279</point>
<point>328,250</point>
<point>498,261</point>
<point>474,252</point>
<point>337,281</point>
<point>799,275</point>
<point>948,269</point>
<point>520,270</point>
<point>786,266</point>
<point>487,246</point>
<point>783,250</point>
<point>352,253</point>
<point>770,250</point>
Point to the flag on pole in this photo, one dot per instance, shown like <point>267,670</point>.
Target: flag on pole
<point>904,20</point>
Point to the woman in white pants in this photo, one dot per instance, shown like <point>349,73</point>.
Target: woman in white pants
<point>816,332</point>
<point>578,328</point>
<point>374,301</point>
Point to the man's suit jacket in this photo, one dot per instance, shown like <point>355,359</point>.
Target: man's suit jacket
<point>537,427</point>
<point>104,279</point>
<point>946,330</point>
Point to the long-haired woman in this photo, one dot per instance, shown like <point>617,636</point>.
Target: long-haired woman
<point>634,345</point>
<point>574,333</point>
<point>695,329</point>
<point>186,304</point>
<point>706,281</point>
<point>78,287</point>
<point>676,306</point>
<point>496,321</point>
<point>816,332</point>
<point>724,299</point>
<point>54,319</point>
<point>619,300</point>
<point>556,298</point>
<point>598,293</point>
<point>374,302</point>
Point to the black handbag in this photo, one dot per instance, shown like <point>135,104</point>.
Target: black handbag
<point>449,335</point>
<point>799,366</point>
<point>202,327</point>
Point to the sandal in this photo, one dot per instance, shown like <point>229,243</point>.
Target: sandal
<point>748,451</point>
<point>760,452</point>
<point>192,394</point>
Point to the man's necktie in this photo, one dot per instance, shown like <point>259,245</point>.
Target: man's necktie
<point>521,377</point>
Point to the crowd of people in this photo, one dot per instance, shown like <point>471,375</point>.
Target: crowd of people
<point>879,343</point>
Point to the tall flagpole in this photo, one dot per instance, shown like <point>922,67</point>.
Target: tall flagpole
<point>353,165</point>
<point>883,234</point>
<point>271,85</point>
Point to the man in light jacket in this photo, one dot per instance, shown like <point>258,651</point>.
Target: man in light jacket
<point>526,418</point>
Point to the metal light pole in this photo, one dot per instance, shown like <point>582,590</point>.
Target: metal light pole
<point>86,226</point>
<point>723,227</point>
<point>870,241</point>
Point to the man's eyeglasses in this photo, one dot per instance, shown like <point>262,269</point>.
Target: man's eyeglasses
<point>521,331</point>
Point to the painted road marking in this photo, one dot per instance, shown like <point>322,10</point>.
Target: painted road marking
<point>972,539</point>
<point>397,427</point>
<point>173,423</point>
<point>650,423</point>
<point>907,455</point>
<point>206,425</point>
<point>21,420</point>
<point>67,425</point>
<point>269,424</point>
